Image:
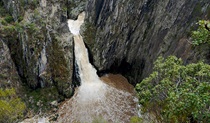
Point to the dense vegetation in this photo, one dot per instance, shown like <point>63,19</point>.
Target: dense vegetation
<point>177,93</point>
<point>202,34</point>
<point>11,107</point>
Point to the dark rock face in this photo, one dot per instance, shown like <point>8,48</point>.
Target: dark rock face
<point>8,74</point>
<point>131,34</point>
<point>41,45</point>
<point>75,7</point>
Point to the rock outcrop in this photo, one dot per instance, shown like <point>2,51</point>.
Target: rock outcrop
<point>8,74</point>
<point>40,43</point>
<point>128,35</point>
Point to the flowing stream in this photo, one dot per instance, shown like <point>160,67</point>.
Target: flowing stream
<point>110,98</point>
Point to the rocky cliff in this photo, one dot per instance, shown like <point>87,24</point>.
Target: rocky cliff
<point>128,35</point>
<point>123,36</point>
<point>36,43</point>
<point>8,74</point>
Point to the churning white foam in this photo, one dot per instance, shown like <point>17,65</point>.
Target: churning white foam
<point>74,25</point>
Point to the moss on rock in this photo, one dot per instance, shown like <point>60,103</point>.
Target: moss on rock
<point>59,68</point>
<point>89,34</point>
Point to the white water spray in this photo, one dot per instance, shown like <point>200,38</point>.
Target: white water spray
<point>94,99</point>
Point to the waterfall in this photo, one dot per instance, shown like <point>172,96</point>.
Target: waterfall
<point>89,79</point>
<point>86,70</point>
<point>102,98</point>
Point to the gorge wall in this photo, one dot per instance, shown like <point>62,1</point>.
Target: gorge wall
<point>130,34</point>
<point>36,43</point>
<point>123,36</point>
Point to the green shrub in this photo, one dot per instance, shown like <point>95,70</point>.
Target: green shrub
<point>9,29</point>
<point>9,19</point>
<point>3,22</point>
<point>177,93</point>
<point>136,119</point>
<point>32,27</point>
<point>11,107</point>
<point>202,34</point>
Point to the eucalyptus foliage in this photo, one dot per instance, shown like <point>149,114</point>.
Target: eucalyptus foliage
<point>202,34</point>
<point>175,92</point>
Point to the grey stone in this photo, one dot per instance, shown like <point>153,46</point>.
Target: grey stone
<point>131,34</point>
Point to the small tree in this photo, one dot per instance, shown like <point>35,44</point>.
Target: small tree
<point>177,93</point>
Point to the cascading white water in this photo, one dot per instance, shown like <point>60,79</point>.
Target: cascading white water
<point>89,79</point>
<point>94,98</point>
